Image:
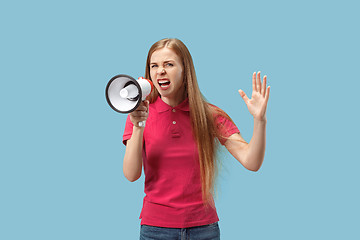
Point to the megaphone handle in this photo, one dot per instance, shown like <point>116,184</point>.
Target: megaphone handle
<point>141,124</point>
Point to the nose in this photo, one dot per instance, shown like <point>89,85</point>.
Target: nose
<point>161,71</point>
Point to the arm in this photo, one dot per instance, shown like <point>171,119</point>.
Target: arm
<point>132,164</point>
<point>251,155</point>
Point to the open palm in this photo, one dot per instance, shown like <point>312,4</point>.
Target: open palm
<point>259,98</point>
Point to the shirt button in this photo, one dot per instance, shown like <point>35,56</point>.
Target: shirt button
<point>174,122</point>
<point>174,110</point>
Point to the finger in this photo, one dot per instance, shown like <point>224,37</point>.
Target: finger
<point>147,103</point>
<point>141,119</point>
<point>258,82</point>
<point>254,82</point>
<point>139,112</point>
<point>267,94</point>
<point>243,95</point>
<point>142,107</point>
<point>136,121</point>
<point>138,115</point>
<point>263,87</point>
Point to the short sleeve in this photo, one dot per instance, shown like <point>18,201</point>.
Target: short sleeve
<point>128,130</point>
<point>225,128</point>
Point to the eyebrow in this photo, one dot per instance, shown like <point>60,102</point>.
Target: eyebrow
<point>164,61</point>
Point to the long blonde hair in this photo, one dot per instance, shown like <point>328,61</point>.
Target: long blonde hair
<point>201,115</point>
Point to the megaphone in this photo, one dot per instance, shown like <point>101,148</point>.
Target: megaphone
<point>124,94</point>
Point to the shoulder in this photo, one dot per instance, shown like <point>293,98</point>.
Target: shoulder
<point>219,115</point>
<point>224,125</point>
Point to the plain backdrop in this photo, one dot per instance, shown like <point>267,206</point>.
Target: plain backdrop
<point>61,144</point>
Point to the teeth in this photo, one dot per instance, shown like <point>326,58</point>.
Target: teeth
<point>163,81</point>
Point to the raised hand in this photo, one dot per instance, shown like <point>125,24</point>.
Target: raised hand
<point>259,98</point>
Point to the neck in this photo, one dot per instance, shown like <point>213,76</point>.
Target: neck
<point>176,98</point>
<point>173,102</point>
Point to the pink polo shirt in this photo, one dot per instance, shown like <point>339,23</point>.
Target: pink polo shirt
<point>172,170</point>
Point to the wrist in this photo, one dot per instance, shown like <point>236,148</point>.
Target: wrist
<point>262,120</point>
<point>137,128</point>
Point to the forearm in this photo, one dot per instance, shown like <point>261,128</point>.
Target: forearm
<point>256,147</point>
<point>132,165</point>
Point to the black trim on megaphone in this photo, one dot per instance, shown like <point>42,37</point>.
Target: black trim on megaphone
<point>131,80</point>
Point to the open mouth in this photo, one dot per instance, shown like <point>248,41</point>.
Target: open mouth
<point>164,83</point>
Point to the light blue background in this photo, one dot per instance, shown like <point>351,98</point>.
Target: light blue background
<point>61,150</point>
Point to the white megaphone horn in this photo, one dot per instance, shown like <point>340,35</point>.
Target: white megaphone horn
<point>124,94</point>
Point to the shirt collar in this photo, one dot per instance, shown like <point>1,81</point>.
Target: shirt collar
<point>161,106</point>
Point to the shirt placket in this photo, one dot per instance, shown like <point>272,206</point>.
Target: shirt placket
<point>175,131</point>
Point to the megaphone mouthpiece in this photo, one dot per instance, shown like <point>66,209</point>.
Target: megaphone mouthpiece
<point>130,92</point>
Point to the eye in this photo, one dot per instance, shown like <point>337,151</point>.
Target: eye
<point>169,64</point>
<point>153,66</point>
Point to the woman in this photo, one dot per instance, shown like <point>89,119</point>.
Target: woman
<point>178,146</point>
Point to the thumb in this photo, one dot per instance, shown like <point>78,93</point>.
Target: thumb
<point>147,104</point>
<point>243,95</point>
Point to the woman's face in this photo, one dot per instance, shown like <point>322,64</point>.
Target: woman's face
<point>166,71</point>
